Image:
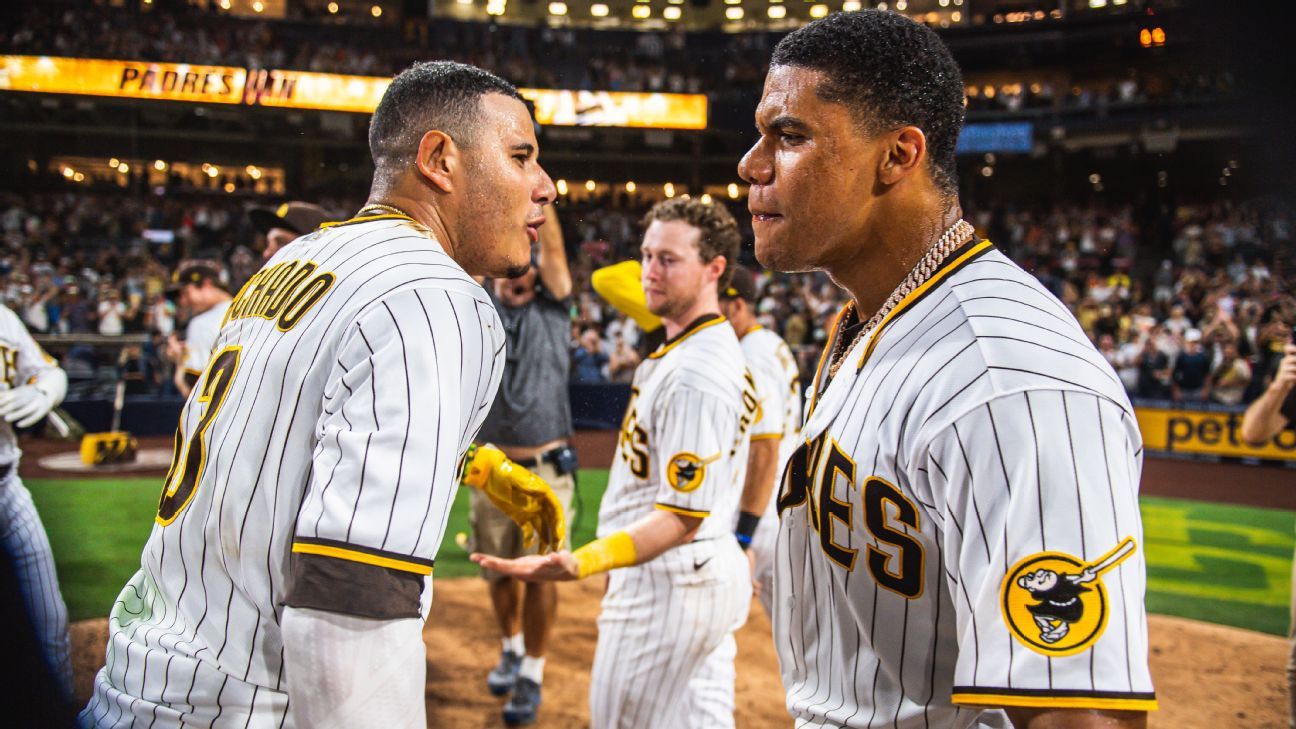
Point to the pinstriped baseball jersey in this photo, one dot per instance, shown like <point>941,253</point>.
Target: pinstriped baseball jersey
<point>778,386</point>
<point>683,442</point>
<point>200,338</point>
<point>315,466</point>
<point>960,528</point>
<point>21,359</point>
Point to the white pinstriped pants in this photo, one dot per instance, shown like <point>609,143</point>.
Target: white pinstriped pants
<point>662,622</point>
<point>29,548</point>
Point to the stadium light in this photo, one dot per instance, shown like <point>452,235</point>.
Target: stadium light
<point>943,3</point>
<point>631,186</point>
<point>732,190</point>
<point>641,12</point>
<point>882,6</point>
<point>159,165</point>
<point>225,4</point>
<point>706,198</point>
<point>777,12</point>
<point>669,189</point>
<point>558,8</point>
<point>68,172</point>
<point>819,11</point>
<point>675,2</point>
<point>114,162</point>
<point>1097,3</point>
<point>987,171</point>
<point>672,12</point>
<point>851,6</point>
<point>733,2</point>
<point>1158,37</point>
<point>465,2</point>
<point>599,10</point>
<point>495,7</point>
<point>901,5</point>
<point>376,11</point>
<point>734,13</point>
<point>229,187</point>
<point>590,185</point>
<point>332,8</point>
<point>78,177</point>
<point>562,187</point>
<point>123,168</point>
<point>258,7</point>
<point>956,16</point>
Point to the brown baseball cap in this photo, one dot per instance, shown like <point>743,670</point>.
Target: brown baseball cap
<point>195,272</point>
<point>299,217</point>
<point>741,286</point>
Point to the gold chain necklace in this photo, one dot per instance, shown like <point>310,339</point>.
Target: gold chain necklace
<point>956,236</point>
<point>388,208</point>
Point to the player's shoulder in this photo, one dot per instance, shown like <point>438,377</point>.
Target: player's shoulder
<point>993,330</point>
<point>706,356</point>
<point>761,341</point>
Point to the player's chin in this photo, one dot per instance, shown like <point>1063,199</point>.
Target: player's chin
<point>778,253</point>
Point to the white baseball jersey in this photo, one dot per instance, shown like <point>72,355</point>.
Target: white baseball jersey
<point>684,437</point>
<point>778,387</point>
<point>960,528</point>
<point>200,338</point>
<point>316,462</point>
<point>665,651</point>
<point>21,361</point>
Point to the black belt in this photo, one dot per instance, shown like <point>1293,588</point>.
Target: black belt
<point>545,457</point>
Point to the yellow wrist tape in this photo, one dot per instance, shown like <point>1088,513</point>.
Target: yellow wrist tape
<point>610,552</point>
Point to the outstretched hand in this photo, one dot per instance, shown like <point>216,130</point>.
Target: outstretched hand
<point>553,567</point>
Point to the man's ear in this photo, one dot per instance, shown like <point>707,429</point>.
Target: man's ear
<point>716,267</point>
<point>438,160</point>
<point>904,154</point>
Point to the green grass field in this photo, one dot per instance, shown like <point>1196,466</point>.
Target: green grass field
<point>1223,564</point>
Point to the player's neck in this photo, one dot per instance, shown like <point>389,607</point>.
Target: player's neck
<point>675,324</point>
<point>889,250</point>
<point>422,211</point>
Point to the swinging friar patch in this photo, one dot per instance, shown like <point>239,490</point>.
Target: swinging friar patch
<point>1056,604</point>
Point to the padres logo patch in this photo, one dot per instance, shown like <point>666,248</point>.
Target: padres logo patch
<point>686,471</point>
<point>1055,604</point>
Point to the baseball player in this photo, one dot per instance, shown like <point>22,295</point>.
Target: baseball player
<point>775,434</point>
<point>962,432</point>
<point>667,516</point>
<point>31,385</point>
<point>199,287</point>
<point>286,223</point>
<point>287,578</point>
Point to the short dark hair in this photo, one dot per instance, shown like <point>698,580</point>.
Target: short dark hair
<point>441,95</point>
<point>889,71</point>
<point>720,236</point>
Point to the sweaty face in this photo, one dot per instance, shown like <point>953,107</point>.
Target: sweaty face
<point>811,174</point>
<point>505,191</point>
<point>674,274</point>
<point>515,292</point>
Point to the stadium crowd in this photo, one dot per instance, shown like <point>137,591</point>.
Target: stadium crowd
<point>1202,319</point>
<point>543,56</point>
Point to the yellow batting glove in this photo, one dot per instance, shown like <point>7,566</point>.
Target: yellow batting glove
<point>523,496</point>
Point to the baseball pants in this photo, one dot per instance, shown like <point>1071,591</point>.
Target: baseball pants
<point>25,540</point>
<point>662,622</point>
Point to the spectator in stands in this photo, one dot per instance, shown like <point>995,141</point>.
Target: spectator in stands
<point>111,312</point>
<point>1154,371</point>
<point>1229,379</point>
<point>589,361</point>
<point>1191,376</point>
<point>623,360</point>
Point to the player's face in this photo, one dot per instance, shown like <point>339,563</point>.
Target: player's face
<point>515,292</point>
<point>674,274</point>
<point>277,238</point>
<point>505,192</point>
<point>811,175</point>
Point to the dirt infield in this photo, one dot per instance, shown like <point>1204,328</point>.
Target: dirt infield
<point>1207,677</point>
